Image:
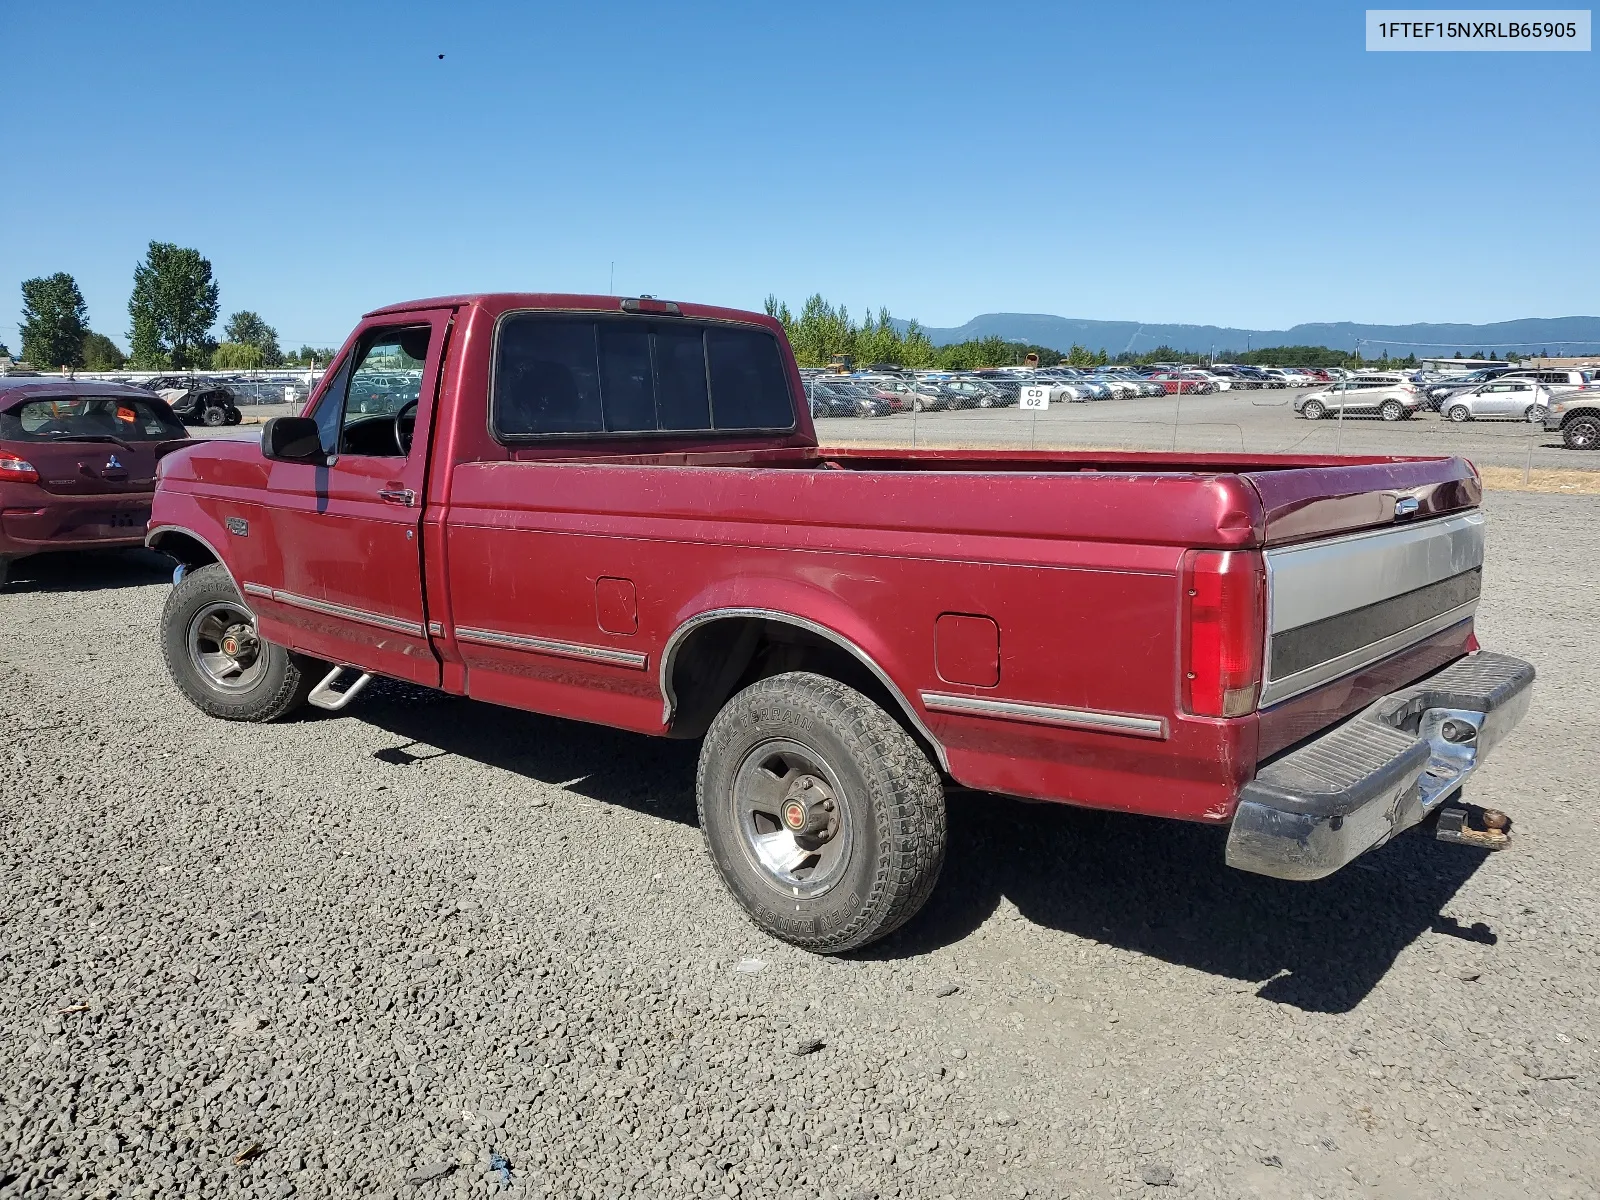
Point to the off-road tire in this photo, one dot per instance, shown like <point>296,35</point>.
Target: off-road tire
<point>1581,433</point>
<point>214,416</point>
<point>1459,413</point>
<point>898,826</point>
<point>1314,410</point>
<point>234,416</point>
<point>284,682</point>
<point>1392,410</point>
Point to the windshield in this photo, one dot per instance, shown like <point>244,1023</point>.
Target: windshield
<point>90,418</point>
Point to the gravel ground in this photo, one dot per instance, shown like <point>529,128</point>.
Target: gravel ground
<point>1261,422</point>
<point>1257,422</point>
<point>364,954</point>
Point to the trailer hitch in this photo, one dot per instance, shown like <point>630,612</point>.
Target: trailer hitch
<point>1469,825</point>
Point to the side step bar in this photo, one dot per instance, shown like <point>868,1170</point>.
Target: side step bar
<point>325,696</point>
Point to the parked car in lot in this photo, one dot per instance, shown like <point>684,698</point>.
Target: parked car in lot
<point>1439,389</point>
<point>845,399</point>
<point>78,464</point>
<point>1185,383</point>
<point>1553,377</point>
<point>1387,396</point>
<point>1575,414</point>
<point>196,401</point>
<point>1506,398</point>
<point>617,511</point>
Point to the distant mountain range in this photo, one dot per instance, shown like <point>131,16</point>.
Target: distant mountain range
<point>1558,335</point>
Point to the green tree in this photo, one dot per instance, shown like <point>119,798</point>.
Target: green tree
<point>173,307</point>
<point>308,356</point>
<point>5,351</point>
<point>100,353</point>
<point>54,320</point>
<point>246,328</point>
<point>237,356</point>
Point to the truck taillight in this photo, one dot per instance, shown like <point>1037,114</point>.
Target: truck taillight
<point>16,470</point>
<point>1224,613</point>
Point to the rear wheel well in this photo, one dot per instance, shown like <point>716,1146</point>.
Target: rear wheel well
<point>722,657</point>
<point>183,546</point>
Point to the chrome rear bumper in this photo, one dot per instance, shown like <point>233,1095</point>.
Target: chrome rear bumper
<point>1390,766</point>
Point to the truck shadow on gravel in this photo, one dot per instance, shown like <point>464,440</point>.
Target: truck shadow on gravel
<point>1150,886</point>
<point>646,774</point>
<point>1161,888</point>
<point>86,571</point>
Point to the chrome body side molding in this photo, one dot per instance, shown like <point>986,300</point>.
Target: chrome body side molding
<point>559,649</point>
<point>1045,714</point>
<point>328,608</point>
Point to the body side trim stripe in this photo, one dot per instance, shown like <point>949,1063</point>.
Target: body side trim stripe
<point>579,650</point>
<point>1045,714</point>
<point>328,608</point>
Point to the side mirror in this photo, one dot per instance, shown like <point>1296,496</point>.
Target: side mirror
<point>294,440</point>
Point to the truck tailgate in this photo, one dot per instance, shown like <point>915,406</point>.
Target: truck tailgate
<point>1301,503</point>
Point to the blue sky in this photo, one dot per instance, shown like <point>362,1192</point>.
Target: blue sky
<point>1245,164</point>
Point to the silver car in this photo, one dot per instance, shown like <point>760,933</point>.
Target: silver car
<point>1385,396</point>
<point>1504,399</point>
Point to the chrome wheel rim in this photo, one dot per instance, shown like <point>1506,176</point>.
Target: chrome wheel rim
<point>794,818</point>
<point>224,646</point>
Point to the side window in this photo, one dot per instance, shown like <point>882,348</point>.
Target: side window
<point>329,413</point>
<point>385,388</point>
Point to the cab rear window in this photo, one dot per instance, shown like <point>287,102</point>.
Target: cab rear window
<point>65,418</point>
<point>563,375</point>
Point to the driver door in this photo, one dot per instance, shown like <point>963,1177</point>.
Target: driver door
<point>347,537</point>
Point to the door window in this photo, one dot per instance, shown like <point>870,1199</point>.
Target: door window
<point>370,406</point>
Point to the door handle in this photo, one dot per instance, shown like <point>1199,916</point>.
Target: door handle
<point>397,496</point>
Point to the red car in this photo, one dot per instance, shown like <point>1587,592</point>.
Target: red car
<point>1185,384</point>
<point>78,465</point>
<point>617,511</point>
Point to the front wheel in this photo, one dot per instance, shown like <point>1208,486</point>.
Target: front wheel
<point>1459,413</point>
<point>823,817</point>
<point>1581,433</point>
<point>1313,410</point>
<point>235,416</point>
<point>1392,410</point>
<point>214,416</point>
<point>220,662</point>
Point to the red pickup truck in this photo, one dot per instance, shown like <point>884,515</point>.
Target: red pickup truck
<point>617,511</point>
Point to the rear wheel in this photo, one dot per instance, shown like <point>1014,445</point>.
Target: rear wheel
<point>1313,410</point>
<point>220,662</point>
<point>1459,413</point>
<point>1392,410</point>
<point>823,817</point>
<point>1581,433</point>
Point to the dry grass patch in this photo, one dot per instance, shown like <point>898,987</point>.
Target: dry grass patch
<point>1541,479</point>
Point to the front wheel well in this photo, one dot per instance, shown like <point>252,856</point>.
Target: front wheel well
<point>720,658</point>
<point>184,547</point>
